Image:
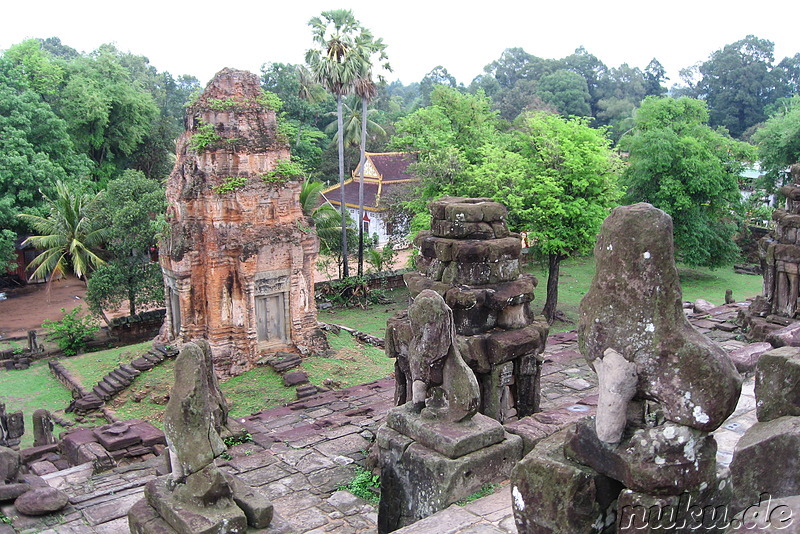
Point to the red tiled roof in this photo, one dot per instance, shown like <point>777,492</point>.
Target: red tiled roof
<point>393,165</point>
<point>334,195</point>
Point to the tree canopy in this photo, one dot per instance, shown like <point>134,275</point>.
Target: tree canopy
<point>681,165</point>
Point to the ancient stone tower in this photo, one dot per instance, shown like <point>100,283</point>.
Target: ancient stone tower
<point>238,260</point>
<point>472,260</point>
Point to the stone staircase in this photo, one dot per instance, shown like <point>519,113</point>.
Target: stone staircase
<point>120,378</point>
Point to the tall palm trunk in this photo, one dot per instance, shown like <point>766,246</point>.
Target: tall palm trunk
<point>340,125</point>
<point>364,103</point>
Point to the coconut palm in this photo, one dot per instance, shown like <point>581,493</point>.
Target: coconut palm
<point>69,236</point>
<point>335,67</point>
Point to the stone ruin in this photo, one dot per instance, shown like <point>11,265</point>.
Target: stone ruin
<point>197,496</point>
<point>12,427</point>
<point>766,460</point>
<point>770,314</point>
<point>663,387</point>
<point>436,448</point>
<point>472,260</point>
<point>239,259</point>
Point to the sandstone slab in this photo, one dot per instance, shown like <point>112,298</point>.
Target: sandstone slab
<point>41,501</point>
<point>777,386</point>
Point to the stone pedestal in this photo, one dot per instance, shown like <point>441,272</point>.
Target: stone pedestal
<point>554,495</point>
<point>471,259</point>
<point>666,459</point>
<point>422,474</point>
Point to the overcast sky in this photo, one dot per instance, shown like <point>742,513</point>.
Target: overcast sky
<point>201,37</point>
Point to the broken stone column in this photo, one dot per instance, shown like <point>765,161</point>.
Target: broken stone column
<point>240,255</point>
<point>471,259</point>
<point>663,386</point>
<point>197,497</point>
<point>436,449</point>
<point>42,428</point>
<point>766,459</point>
<point>12,427</point>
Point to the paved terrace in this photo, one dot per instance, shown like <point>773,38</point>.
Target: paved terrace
<point>304,451</point>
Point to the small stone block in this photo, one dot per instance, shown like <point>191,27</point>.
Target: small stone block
<point>452,440</point>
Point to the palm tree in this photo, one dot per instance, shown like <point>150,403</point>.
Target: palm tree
<point>365,88</point>
<point>335,67</point>
<point>325,216</point>
<point>351,122</point>
<point>69,235</point>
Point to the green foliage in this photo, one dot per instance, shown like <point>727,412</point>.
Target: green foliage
<point>778,142</point>
<point>486,489</point>
<point>382,259</point>
<point>203,137</point>
<point>285,170</point>
<point>131,212</point>
<point>134,279</point>
<point>238,439</point>
<point>270,100</point>
<point>363,485</point>
<point>230,184</point>
<point>8,254</point>
<point>567,91</point>
<point>69,236</point>
<point>5,520</point>
<point>682,166</point>
<point>72,332</point>
<point>224,104</point>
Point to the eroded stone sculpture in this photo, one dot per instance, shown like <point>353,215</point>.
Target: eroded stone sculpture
<point>197,496</point>
<point>436,448</point>
<point>443,385</point>
<point>663,386</point>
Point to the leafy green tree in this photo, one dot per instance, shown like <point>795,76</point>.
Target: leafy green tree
<point>8,255</point>
<point>738,83</point>
<point>437,76</point>
<point>131,211</point>
<point>567,91</point>
<point>35,150</point>
<point>69,236</point>
<point>335,66</point>
<point>778,142</point>
<point>351,121</point>
<point>563,192</point>
<point>108,112</point>
<point>682,166</point>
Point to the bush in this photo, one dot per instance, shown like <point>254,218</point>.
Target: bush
<point>73,332</point>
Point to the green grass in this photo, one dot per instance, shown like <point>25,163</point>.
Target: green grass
<point>91,367</point>
<point>30,390</point>
<point>373,319</point>
<point>256,390</point>
<point>576,276</point>
<point>152,388</point>
<point>354,364</point>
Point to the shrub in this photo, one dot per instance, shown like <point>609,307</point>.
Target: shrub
<point>73,332</point>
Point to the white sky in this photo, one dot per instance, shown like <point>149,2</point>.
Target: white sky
<point>202,37</point>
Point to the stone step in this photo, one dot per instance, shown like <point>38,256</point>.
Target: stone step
<point>100,392</point>
<point>121,377</point>
<point>167,352</point>
<point>141,364</point>
<point>110,387</point>
<point>306,391</point>
<point>107,390</point>
<point>117,384</point>
<point>155,359</point>
<point>130,370</point>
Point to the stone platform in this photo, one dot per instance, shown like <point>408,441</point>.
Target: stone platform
<point>304,451</point>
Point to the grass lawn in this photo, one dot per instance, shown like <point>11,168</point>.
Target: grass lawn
<point>697,283</point>
<point>91,367</point>
<point>30,390</point>
<point>373,319</point>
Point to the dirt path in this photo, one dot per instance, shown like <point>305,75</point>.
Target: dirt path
<point>25,308</point>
